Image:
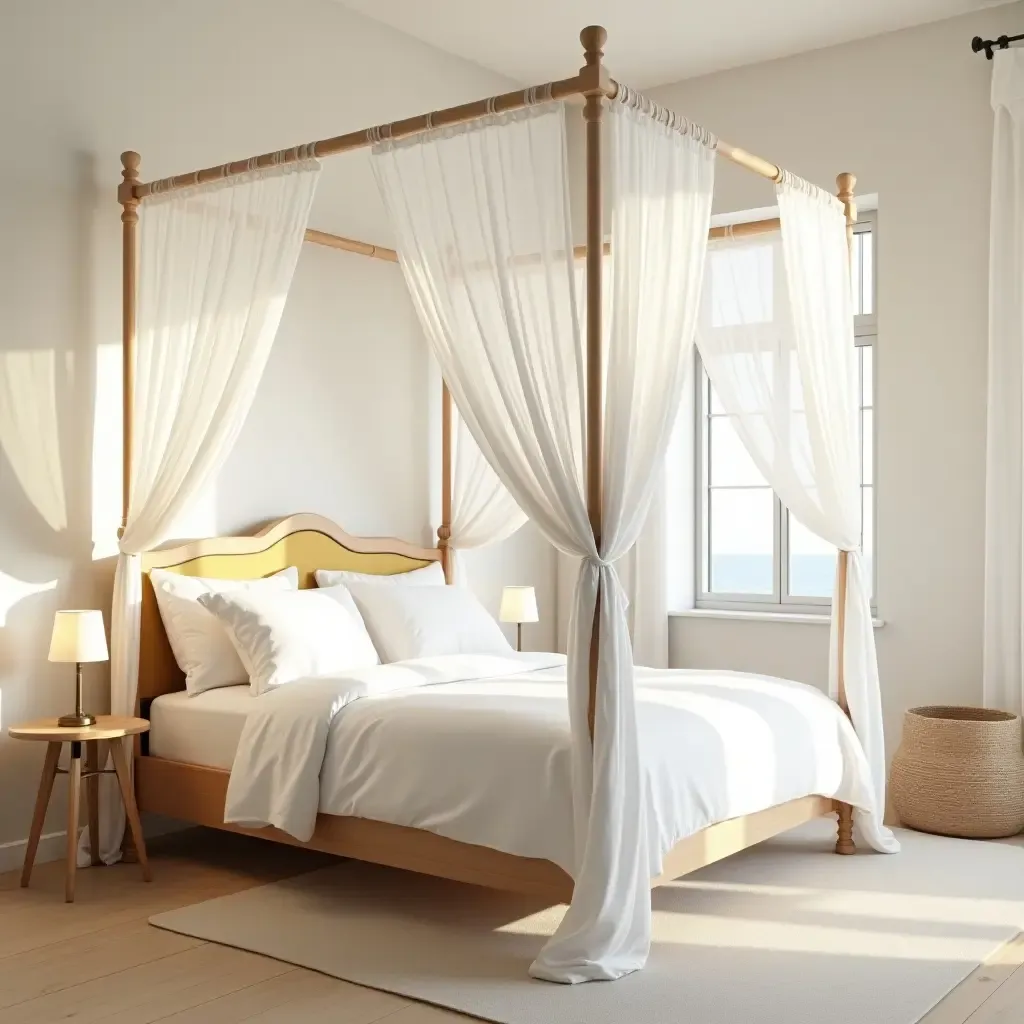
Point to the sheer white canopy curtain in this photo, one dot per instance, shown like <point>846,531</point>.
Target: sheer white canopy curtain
<point>779,350</point>
<point>483,511</point>
<point>215,265</point>
<point>1004,498</point>
<point>482,218</point>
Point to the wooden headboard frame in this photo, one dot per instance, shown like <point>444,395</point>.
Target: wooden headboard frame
<point>305,540</point>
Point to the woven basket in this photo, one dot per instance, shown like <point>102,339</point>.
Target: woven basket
<point>960,772</point>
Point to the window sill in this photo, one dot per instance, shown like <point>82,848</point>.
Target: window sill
<point>805,618</point>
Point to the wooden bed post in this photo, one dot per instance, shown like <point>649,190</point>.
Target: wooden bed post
<point>129,233</point>
<point>444,531</point>
<point>129,260</point>
<point>593,39</point>
<point>844,843</point>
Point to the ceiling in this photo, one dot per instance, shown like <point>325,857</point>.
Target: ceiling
<point>651,42</point>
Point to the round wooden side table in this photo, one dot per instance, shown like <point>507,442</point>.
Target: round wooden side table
<point>110,729</point>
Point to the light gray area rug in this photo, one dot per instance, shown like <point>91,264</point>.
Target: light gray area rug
<point>784,933</point>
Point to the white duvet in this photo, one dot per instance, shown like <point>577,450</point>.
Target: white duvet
<point>477,748</point>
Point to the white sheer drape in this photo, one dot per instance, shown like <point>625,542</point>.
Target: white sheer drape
<point>1004,497</point>
<point>644,574</point>
<point>481,214</point>
<point>215,265</point>
<point>483,511</point>
<point>780,354</point>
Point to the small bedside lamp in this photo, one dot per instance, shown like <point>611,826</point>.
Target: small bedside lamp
<point>518,605</point>
<point>78,636</point>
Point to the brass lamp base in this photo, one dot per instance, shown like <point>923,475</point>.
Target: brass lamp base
<point>76,721</point>
<point>79,720</point>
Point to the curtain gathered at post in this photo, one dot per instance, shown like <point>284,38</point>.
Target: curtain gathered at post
<point>215,265</point>
<point>776,338</point>
<point>1003,672</point>
<point>481,214</point>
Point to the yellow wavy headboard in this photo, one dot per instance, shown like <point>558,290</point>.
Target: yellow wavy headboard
<point>307,541</point>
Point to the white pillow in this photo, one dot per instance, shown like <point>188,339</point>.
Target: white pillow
<point>426,576</point>
<point>420,622</point>
<point>285,636</point>
<point>200,643</point>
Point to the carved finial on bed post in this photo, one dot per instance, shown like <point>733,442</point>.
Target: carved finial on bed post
<point>845,183</point>
<point>593,38</point>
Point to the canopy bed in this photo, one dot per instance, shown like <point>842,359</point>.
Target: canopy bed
<point>570,407</point>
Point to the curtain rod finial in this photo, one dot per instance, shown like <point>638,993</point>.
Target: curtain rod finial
<point>593,38</point>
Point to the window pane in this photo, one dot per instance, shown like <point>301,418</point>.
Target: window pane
<point>812,562</point>
<point>867,275</point>
<point>731,466</point>
<point>714,403</point>
<point>867,446</point>
<point>742,541</point>
<point>868,528</point>
<point>855,273</point>
<point>867,375</point>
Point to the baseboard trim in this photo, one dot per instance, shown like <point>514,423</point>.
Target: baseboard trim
<point>52,844</point>
<point>51,847</point>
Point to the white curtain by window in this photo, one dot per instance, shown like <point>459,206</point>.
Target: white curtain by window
<point>1004,498</point>
<point>781,356</point>
<point>481,214</point>
<point>215,265</point>
<point>483,511</point>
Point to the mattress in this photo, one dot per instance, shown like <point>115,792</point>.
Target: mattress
<point>199,730</point>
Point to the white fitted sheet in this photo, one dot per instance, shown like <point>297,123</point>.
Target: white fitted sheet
<point>203,729</point>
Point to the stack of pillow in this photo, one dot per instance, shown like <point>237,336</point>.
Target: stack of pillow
<point>269,633</point>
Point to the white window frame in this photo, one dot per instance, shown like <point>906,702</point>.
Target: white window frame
<point>779,601</point>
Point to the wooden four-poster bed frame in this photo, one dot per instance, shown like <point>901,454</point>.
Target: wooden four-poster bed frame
<point>195,793</point>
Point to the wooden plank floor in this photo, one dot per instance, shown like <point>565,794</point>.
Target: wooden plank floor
<point>99,961</point>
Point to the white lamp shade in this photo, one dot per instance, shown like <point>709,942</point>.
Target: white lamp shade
<point>78,636</point>
<point>518,604</point>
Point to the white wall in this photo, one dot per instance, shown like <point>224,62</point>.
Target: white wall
<point>909,114</point>
<point>342,423</point>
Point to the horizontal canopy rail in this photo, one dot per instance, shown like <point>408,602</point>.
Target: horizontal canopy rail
<point>377,252</point>
<point>381,252</point>
<point>591,79</point>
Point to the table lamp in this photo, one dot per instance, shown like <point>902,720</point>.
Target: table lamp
<point>78,636</point>
<point>518,605</point>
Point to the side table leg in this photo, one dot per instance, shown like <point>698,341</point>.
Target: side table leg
<point>74,795</point>
<point>130,810</point>
<point>38,816</point>
<point>94,761</point>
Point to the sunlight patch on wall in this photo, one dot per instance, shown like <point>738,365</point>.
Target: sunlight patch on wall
<point>28,430</point>
<point>14,590</point>
<point>106,452</point>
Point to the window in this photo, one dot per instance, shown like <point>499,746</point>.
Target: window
<point>751,552</point>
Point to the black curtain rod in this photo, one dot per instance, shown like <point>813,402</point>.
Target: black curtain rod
<point>1003,42</point>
